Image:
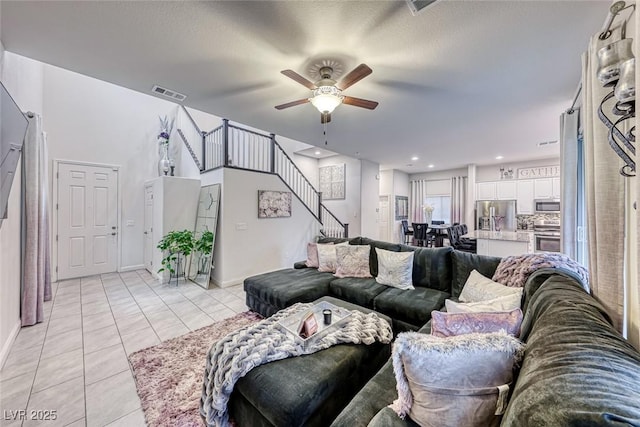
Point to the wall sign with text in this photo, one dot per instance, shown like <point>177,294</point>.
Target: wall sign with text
<point>539,172</point>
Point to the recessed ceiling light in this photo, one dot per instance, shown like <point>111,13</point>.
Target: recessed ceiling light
<point>318,153</point>
<point>414,158</point>
<point>499,157</point>
<point>430,166</point>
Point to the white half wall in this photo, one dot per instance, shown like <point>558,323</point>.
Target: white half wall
<point>247,245</point>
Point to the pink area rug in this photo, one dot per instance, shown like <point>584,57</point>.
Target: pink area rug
<point>169,375</point>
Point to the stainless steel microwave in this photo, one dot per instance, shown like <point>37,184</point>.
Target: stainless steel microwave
<point>547,205</point>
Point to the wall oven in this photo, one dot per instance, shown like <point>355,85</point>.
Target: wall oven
<point>547,205</point>
<point>546,234</point>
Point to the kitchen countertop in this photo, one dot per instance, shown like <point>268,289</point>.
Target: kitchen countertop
<point>511,236</point>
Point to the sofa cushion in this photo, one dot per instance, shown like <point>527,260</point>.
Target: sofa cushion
<point>439,381</point>
<point>413,306</point>
<point>450,324</point>
<point>356,290</point>
<point>353,261</point>
<point>463,263</point>
<point>431,267</point>
<point>578,370</point>
<point>373,257</point>
<point>394,268</point>
<point>505,303</point>
<point>283,288</point>
<point>480,288</point>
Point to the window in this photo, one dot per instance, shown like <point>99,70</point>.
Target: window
<point>441,208</point>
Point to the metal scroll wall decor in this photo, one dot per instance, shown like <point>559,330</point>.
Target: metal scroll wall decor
<point>616,69</point>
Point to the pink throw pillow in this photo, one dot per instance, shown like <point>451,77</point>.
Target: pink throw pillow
<point>451,324</point>
<point>312,254</point>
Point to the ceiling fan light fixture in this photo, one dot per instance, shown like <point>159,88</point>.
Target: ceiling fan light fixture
<point>326,98</point>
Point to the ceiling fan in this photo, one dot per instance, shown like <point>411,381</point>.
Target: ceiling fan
<point>327,93</point>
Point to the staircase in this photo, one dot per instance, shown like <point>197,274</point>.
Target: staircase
<point>232,146</point>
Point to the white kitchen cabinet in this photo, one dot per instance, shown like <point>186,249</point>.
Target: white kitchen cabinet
<point>555,188</point>
<point>173,204</point>
<point>524,204</point>
<point>486,191</point>
<point>506,190</point>
<point>543,188</point>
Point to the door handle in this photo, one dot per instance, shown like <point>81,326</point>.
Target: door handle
<point>114,233</point>
<point>146,232</point>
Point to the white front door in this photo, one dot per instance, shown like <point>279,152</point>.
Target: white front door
<point>148,227</point>
<point>383,218</point>
<point>87,220</point>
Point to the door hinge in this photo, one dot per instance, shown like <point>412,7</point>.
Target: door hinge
<point>56,268</point>
<point>56,206</point>
<point>56,237</point>
<point>57,174</point>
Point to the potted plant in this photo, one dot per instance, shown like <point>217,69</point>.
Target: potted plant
<point>204,245</point>
<point>177,245</point>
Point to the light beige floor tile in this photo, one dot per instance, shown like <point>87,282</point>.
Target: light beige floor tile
<point>223,314</point>
<point>69,282</point>
<point>94,298</point>
<point>14,393</point>
<point>140,339</point>
<point>96,307</point>
<point>122,310</point>
<point>134,419</point>
<point>79,423</point>
<point>30,337</point>
<point>111,399</point>
<point>132,323</point>
<point>66,399</point>
<point>238,306</point>
<point>172,331</point>
<point>66,310</point>
<point>62,343</point>
<point>105,363</point>
<point>58,369</point>
<point>225,297</point>
<point>101,338</point>
<point>97,321</point>
<point>67,291</point>
<point>197,321</point>
<point>64,324</point>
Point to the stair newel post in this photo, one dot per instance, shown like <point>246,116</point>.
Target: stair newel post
<point>225,141</point>
<point>273,152</point>
<point>204,152</point>
<point>346,231</point>
<point>320,206</point>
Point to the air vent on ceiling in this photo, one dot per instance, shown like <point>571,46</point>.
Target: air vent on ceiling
<point>417,5</point>
<point>547,143</point>
<point>158,90</point>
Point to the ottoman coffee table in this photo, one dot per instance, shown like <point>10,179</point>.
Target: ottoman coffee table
<point>308,390</point>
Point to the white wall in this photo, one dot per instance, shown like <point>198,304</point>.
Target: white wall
<point>347,210</point>
<point>23,79</point>
<point>438,175</point>
<point>90,120</point>
<point>492,172</point>
<point>401,187</point>
<point>252,245</point>
<point>369,198</point>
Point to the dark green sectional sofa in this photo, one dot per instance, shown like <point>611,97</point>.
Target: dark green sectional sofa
<point>577,368</point>
<point>438,274</point>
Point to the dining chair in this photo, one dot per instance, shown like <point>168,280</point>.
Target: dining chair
<point>406,232</point>
<point>419,233</point>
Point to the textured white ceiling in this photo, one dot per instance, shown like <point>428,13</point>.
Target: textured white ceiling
<point>459,83</point>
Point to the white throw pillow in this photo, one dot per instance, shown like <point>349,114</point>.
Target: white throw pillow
<point>506,303</point>
<point>395,269</point>
<point>480,288</point>
<point>327,259</point>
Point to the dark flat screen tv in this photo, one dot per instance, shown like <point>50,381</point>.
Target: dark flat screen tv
<point>13,126</point>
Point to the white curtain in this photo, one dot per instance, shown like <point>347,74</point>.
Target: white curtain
<point>416,201</point>
<point>605,189</point>
<point>569,123</point>
<point>458,199</point>
<point>36,268</point>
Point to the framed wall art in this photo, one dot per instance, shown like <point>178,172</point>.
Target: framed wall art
<point>332,182</point>
<point>274,204</point>
<point>402,208</point>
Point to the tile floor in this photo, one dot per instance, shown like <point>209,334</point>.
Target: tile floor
<point>75,362</point>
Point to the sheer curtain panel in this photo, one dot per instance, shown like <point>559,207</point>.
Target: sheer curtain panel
<point>458,198</point>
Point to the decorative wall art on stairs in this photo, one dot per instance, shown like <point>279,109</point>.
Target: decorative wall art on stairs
<point>332,182</point>
<point>274,204</point>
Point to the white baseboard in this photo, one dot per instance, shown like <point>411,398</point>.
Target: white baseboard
<point>6,346</point>
<point>227,283</point>
<point>132,268</point>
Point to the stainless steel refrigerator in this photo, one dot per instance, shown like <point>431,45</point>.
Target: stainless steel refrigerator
<point>495,215</point>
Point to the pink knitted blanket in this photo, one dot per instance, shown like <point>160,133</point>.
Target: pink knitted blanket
<point>514,270</point>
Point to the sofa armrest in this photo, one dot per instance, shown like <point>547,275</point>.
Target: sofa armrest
<point>300,264</point>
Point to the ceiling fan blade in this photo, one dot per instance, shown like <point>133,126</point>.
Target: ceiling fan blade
<point>325,117</point>
<point>292,104</point>
<point>354,76</point>
<point>297,77</point>
<point>359,102</point>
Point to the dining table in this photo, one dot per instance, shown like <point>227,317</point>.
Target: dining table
<point>440,231</point>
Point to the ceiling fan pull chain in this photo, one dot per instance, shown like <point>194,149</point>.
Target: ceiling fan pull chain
<point>325,129</point>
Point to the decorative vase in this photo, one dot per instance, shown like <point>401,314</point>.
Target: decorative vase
<point>164,163</point>
<point>427,218</point>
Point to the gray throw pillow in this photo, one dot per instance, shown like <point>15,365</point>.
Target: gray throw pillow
<point>456,381</point>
